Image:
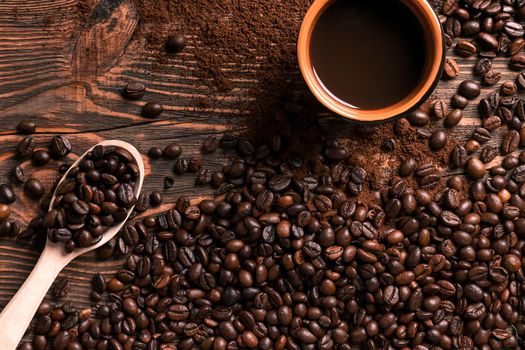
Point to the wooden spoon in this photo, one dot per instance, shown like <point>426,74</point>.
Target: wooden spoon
<point>17,315</point>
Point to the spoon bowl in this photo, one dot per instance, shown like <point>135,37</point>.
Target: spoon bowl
<point>19,312</point>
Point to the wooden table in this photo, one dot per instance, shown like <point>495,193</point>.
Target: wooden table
<point>69,82</point>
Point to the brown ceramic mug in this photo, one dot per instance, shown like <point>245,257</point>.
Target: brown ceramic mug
<point>433,66</point>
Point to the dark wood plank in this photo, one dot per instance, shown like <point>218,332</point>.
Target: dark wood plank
<point>68,78</point>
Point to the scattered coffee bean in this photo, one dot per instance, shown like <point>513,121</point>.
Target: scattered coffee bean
<point>469,89</point>
<point>168,182</point>
<point>210,145</point>
<point>508,88</point>
<point>475,168</point>
<point>465,48</point>
<point>488,41</point>
<point>175,43</point>
<point>25,147</point>
<point>5,211</point>
<point>419,118</point>
<point>438,140</point>
<point>517,62</point>
<point>155,152</point>
<point>26,127</point>
<point>61,288</point>
<point>492,77</point>
<point>520,81</point>
<point>451,69</point>
<point>482,67</point>
<point>40,157</point>
<point>152,110</point>
<point>453,118</point>
<point>7,195</point>
<point>459,102</point>
<point>440,109</point>
<point>33,188</point>
<point>134,91</point>
<point>172,151</point>
<point>510,143</point>
<point>60,146</point>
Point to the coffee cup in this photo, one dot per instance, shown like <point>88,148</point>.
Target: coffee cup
<point>337,56</point>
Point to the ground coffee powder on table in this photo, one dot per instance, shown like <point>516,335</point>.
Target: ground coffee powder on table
<point>258,34</point>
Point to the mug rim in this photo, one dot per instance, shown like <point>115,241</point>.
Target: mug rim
<point>431,26</point>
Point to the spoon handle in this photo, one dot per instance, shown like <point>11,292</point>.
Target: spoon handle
<point>17,315</point>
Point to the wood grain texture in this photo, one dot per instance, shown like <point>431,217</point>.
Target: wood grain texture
<point>67,76</point>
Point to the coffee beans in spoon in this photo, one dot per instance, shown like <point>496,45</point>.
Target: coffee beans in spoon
<point>94,195</point>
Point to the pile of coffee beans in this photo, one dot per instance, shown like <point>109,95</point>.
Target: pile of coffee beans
<point>284,259</point>
<point>487,29</point>
<point>61,323</point>
<point>95,195</point>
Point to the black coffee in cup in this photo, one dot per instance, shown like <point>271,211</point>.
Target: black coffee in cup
<point>369,54</point>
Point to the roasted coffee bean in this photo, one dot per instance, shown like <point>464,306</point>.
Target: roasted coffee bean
<point>469,89</point>
<point>483,65</point>
<point>194,165</point>
<point>458,156</point>
<point>481,135</point>
<point>450,7</point>
<point>7,195</point>
<point>471,28</point>
<point>488,41</point>
<point>134,91</point>
<point>459,101</point>
<point>181,166</point>
<point>517,62</point>
<point>210,145</point>
<point>453,118</point>
<point>172,151</point>
<point>475,168</point>
<point>438,140</point>
<point>451,68</point>
<point>60,146</point>
<point>407,167</point>
<point>513,29</point>
<point>508,88</point>
<point>419,118</point>
<point>488,153</point>
<point>168,182</point>
<point>155,198</point>
<point>520,81</point>
<point>465,48</point>
<point>19,175</point>
<point>142,203</point>
<point>5,211</point>
<point>440,109</point>
<point>155,152</point>
<point>152,110</point>
<point>510,142</point>
<point>492,123</point>
<point>175,43</point>
<point>61,288</point>
<point>26,127</point>
<point>33,188</point>
<point>25,147</point>
<point>40,157</point>
<point>492,77</point>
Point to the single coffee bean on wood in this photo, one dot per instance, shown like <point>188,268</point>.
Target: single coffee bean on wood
<point>175,43</point>
<point>152,110</point>
<point>26,127</point>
